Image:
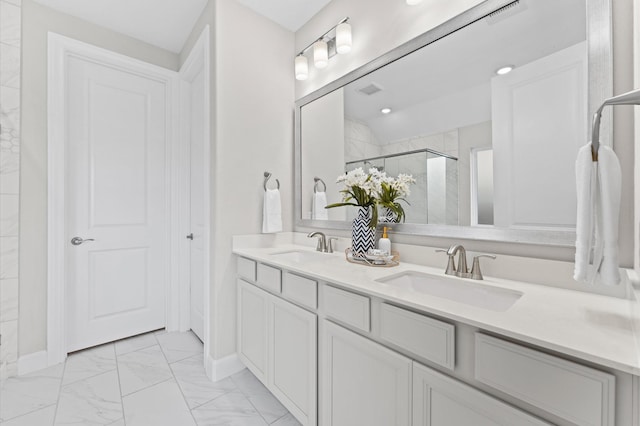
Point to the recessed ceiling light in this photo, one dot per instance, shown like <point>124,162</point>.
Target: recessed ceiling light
<point>505,70</point>
<point>385,110</point>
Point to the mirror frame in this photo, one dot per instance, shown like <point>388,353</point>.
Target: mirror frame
<point>600,78</point>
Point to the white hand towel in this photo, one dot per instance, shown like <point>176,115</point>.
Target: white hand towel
<point>610,179</point>
<point>598,187</point>
<point>585,220</point>
<point>318,204</point>
<point>271,212</point>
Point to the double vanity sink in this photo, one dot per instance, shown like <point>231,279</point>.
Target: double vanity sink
<point>324,335</point>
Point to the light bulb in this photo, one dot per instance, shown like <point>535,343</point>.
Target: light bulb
<point>343,38</point>
<point>505,70</point>
<point>320,54</point>
<point>301,67</point>
<point>385,110</point>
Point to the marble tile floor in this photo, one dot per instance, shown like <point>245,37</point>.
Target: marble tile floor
<point>154,379</point>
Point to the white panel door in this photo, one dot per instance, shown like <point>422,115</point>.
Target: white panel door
<point>539,120</point>
<point>197,207</point>
<point>115,196</point>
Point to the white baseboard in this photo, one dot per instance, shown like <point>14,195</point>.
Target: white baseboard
<point>218,369</point>
<point>33,362</point>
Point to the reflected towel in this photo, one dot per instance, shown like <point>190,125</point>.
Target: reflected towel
<point>271,212</point>
<point>318,204</point>
<point>598,187</point>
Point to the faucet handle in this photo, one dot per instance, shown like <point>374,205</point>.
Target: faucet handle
<point>476,273</point>
<point>330,241</point>
<point>451,266</point>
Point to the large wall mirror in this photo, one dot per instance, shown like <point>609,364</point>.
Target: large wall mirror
<point>492,148</point>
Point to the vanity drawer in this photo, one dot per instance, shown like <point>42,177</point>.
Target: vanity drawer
<point>247,268</point>
<point>300,289</point>
<point>349,308</point>
<point>578,394</point>
<point>269,277</point>
<point>425,337</point>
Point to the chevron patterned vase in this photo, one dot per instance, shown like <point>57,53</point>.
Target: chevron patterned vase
<point>362,237</point>
<point>389,216</point>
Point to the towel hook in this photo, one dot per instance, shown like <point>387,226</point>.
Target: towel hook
<point>317,180</point>
<point>629,98</point>
<point>267,175</point>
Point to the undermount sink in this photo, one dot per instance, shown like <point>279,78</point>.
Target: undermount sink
<point>458,290</point>
<point>300,255</point>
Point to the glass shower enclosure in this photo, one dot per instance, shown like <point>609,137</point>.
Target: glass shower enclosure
<point>434,197</point>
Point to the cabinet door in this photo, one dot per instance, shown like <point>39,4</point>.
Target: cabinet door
<point>293,378</point>
<point>363,383</point>
<point>253,328</point>
<point>439,400</point>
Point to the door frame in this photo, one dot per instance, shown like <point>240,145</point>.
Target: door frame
<point>197,60</point>
<point>59,49</point>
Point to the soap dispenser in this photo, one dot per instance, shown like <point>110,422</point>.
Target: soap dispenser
<point>384,243</point>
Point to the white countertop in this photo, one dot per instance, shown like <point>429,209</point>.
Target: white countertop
<point>600,329</point>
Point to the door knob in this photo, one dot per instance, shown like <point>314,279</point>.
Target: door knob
<point>76,241</point>
<point>190,236</point>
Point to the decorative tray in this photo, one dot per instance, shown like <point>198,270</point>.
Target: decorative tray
<point>373,260</point>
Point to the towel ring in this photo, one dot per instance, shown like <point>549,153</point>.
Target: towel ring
<point>267,175</point>
<point>317,180</point>
<point>629,98</point>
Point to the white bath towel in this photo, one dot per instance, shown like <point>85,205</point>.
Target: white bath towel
<point>598,187</point>
<point>318,204</point>
<point>271,212</point>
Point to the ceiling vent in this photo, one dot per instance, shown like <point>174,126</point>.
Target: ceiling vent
<point>506,12</point>
<point>370,89</point>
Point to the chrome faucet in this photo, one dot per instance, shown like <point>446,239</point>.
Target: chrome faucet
<point>461,271</point>
<point>322,241</point>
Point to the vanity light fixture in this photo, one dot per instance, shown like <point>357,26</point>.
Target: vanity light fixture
<point>385,110</point>
<point>301,67</point>
<point>336,40</point>
<point>505,70</point>
<point>343,38</point>
<point>320,54</point>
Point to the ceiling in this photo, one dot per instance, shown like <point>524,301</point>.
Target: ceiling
<point>168,23</point>
<point>451,78</point>
<point>291,14</point>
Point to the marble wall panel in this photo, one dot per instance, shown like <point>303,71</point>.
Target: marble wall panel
<point>10,30</point>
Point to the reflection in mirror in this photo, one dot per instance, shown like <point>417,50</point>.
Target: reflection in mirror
<point>485,149</point>
<point>482,185</point>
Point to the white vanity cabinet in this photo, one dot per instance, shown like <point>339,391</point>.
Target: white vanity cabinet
<point>338,356</point>
<point>277,341</point>
<point>362,382</point>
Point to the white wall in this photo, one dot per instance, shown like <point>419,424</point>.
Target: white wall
<point>252,132</point>
<point>623,133</point>
<point>37,20</point>
<point>381,25</point>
